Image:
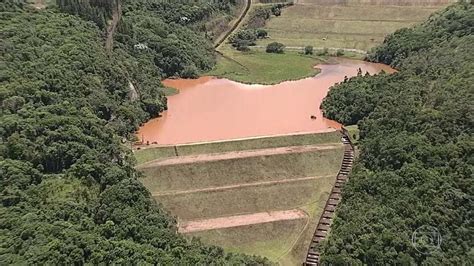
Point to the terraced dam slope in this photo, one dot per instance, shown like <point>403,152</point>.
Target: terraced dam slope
<point>260,196</point>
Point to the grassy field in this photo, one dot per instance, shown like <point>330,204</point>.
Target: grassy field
<point>242,170</point>
<point>353,133</point>
<point>351,24</point>
<point>279,196</point>
<point>285,242</point>
<point>149,154</point>
<point>271,240</point>
<point>264,68</point>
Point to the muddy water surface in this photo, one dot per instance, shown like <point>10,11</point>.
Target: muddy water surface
<point>209,109</point>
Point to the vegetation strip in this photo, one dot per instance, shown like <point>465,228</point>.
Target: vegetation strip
<point>238,154</point>
<point>69,191</point>
<point>144,155</point>
<point>414,172</point>
<point>301,48</point>
<point>220,188</point>
<point>240,220</point>
<point>153,146</point>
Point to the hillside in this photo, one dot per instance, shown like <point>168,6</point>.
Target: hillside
<point>78,78</point>
<point>346,28</point>
<point>414,174</point>
<point>69,192</point>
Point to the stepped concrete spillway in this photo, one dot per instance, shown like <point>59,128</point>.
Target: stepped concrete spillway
<point>325,221</point>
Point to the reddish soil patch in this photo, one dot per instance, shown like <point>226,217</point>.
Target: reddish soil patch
<point>240,220</point>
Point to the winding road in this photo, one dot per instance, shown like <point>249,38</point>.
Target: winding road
<point>236,24</point>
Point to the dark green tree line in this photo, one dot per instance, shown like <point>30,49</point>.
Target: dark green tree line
<point>98,11</point>
<point>416,149</point>
<point>69,193</point>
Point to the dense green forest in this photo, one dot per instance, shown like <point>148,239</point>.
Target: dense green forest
<point>69,192</point>
<point>171,35</point>
<point>416,149</point>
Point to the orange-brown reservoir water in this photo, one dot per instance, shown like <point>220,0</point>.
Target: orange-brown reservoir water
<point>209,109</point>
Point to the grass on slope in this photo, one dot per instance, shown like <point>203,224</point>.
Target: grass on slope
<point>285,242</point>
<point>245,200</point>
<point>242,170</point>
<point>359,27</point>
<point>264,68</point>
<point>149,154</point>
<point>271,240</point>
<point>353,133</point>
<point>262,143</point>
<point>282,241</point>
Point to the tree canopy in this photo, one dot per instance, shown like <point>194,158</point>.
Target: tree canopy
<point>69,192</point>
<point>275,47</point>
<point>416,150</point>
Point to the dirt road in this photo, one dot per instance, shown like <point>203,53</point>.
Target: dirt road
<point>235,25</point>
